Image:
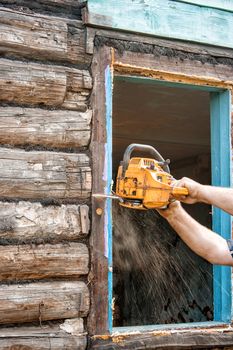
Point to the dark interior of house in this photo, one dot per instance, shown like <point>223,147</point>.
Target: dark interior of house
<point>157,279</point>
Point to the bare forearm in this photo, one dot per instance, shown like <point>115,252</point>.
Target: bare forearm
<point>218,196</point>
<point>201,240</point>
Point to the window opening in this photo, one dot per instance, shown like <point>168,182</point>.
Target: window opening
<point>156,278</point>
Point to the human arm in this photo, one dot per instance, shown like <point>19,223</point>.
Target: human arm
<point>200,239</point>
<point>217,196</point>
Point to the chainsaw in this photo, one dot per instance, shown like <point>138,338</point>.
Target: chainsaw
<point>145,183</point>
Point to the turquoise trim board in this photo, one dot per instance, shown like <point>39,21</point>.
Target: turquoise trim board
<point>220,110</point>
<point>158,327</point>
<point>218,4</point>
<point>168,19</point>
<point>108,178</point>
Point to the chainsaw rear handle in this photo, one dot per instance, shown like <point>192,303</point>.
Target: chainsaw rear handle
<point>178,192</point>
<point>143,148</point>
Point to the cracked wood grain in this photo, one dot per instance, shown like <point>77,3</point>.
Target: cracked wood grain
<point>26,222</point>
<point>40,175</point>
<point>24,262</point>
<point>35,126</point>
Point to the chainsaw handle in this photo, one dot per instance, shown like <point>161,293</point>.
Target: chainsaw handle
<point>178,192</point>
<point>143,148</point>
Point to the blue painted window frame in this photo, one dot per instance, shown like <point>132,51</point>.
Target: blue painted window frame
<point>220,120</point>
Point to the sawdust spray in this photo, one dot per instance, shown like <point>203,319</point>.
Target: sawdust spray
<point>157,279</point>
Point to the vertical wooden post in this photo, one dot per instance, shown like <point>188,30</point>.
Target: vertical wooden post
<point>99,311</point>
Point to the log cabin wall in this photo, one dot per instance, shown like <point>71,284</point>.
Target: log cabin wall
<point>46,172</point>
<point>46,179</point>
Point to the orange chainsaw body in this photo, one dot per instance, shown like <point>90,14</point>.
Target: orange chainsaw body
<point>145,185</point>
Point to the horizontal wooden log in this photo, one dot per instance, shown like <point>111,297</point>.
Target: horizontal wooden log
<point>69,335</point>
<point>167,340</point>
<point>48,85</point>
<point>42,37</point>
<point>71,8</point>
<point>43,261</point>
<point>62,3</point>
<point>34,126</point>
<point>43,301</point>
<point>31,222</point>
<point>32,175</point>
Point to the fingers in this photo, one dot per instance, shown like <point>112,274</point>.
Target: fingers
<point>192,187</point>
<point>170,211</point>
<point>184,182</point>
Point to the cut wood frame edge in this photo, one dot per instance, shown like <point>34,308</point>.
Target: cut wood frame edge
<point>166,76</point>
<point>178,339</point>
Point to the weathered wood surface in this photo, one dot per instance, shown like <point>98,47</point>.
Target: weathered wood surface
<point>76,100</point>
<point>26,222</point>
<point>98,316</point>
<point>69,335</point>
<point>34,175</point>
<point>70,8</point>
<point>137,40</point>
<point>42,37</point>
<point>34,126</point>
<point>43,261</point>
<point>49,2</point>
<point>190,67</point>
<point>43,301</point>
<point>33,83</point>
<point>167,340</point>
<point>219,4</point>
<point>168,19</point>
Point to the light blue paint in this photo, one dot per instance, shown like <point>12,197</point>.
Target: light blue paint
<point>106,190</point>
<point>226,5</point>
<point>220,109</point>
<point>221,176</point>
<point>167,327</point>
<point>108,204</point>
<point>168,19</point>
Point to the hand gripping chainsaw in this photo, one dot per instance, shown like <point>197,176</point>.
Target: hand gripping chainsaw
<point>145,183</point>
